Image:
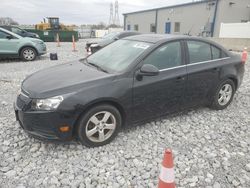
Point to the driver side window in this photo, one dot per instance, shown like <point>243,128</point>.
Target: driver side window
<point>3,35</point>
<point>166,56</point>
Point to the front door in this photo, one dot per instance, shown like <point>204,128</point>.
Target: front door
<point>168,27</point>
<point>8,46</point>
<point>158,95</point>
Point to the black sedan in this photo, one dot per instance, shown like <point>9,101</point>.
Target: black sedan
<point>147,77</point>
<point>94,45</point>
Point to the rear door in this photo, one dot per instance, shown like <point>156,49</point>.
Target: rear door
<point>203,69</point>
<point>8,46</point>
<point>158,95</point>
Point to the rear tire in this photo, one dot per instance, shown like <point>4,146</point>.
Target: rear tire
<point>224,95</point>
<point>28,54</point>
<point>99,125</point>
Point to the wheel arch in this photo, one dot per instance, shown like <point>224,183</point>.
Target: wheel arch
<point>90,105</point>
<point>235,80</point>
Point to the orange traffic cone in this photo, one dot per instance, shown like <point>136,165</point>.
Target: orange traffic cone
<point>74,43</point>
<point>58,40</point>
<point>244,55</point>
<point>166,179</point>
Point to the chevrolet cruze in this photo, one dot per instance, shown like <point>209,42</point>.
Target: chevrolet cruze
<point>132,80</point>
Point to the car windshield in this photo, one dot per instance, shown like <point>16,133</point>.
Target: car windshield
<point>118,56</point>
<point>17,30</point>
<point>110,35</point>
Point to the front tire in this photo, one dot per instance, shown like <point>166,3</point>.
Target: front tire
<point>99,126</point>
<point>223,95</point>
<point>28,54</point>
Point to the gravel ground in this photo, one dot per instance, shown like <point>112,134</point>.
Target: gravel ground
<point>211,148</point>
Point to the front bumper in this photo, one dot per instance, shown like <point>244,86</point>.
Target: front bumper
<point>41,49</point>
<point>43,124</point>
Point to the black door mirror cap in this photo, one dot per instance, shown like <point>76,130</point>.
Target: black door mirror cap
<point>9,37</point>
<point>149,70</point>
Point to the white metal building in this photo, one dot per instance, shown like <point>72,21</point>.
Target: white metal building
<point>200,18</point>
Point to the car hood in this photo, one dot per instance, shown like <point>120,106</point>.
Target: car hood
<point>63,79</point>
<point>94,41</point>
<point>100,42</point>
<point>105,42</point>
<point>29,34</point>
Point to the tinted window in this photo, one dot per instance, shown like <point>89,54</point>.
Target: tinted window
<point>3,35</point>
<point>216,52</point>
<point>166,56</point>
<point>17,30</point>
<point>199,51</point>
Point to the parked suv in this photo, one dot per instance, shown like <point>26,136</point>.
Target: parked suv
<point>13,45</point>
<point>19,31</point>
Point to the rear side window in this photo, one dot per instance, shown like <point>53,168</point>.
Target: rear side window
<point>216,52</point>
<point>199,51</point>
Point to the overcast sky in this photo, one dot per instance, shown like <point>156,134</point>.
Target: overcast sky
<point>73,11</point>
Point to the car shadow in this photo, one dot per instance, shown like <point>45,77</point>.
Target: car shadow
<point>18,60</point>
<point>169,117</point>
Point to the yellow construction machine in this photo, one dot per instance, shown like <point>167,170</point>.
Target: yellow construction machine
<point>53,24</point>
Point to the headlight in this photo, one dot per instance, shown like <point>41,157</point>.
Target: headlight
<point>37,35</point>
<point>38,42</point>
<point>94,45</point>
<point>47,104</point>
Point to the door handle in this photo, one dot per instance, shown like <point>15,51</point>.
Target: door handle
<point>180,78</point>
<point>216,69</point>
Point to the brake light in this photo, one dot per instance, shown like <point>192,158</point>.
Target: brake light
<point>244,56</point>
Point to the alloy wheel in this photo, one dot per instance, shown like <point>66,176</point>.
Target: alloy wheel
<point>100,126</point>
<point>225,94</point>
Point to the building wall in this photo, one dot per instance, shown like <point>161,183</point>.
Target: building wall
<point>235,13</point>
<point>235,30</point>
<point>194,19</point>
<point>143,20</point>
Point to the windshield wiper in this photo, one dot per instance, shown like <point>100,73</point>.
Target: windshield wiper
<point>97,66</point>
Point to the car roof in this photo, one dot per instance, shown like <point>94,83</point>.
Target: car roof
<point>160,38</point>
<point>129,32</point>
<point>4,26</point>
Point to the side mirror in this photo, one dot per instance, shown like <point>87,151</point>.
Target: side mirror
<point>116,38</point>
<point>147,70</point>
<point>9,37</point>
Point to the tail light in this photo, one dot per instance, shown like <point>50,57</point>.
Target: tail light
<point>244,56</point>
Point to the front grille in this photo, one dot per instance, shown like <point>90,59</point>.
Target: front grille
<point>20,103</point>
<point>23,102</point>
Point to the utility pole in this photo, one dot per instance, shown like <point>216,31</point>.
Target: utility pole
<point>116,18</point>
<point>111,17</point>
